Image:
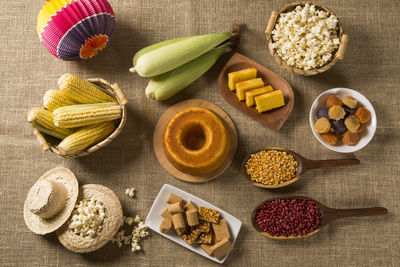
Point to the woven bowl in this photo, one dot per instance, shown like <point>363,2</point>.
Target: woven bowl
<point>116,92</point>
<point>338,55</point>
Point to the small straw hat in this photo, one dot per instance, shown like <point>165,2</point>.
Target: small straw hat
<point>51,200</point>
<point>113,220</point>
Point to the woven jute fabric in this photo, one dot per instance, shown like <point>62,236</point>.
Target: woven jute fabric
<point>371,66</point>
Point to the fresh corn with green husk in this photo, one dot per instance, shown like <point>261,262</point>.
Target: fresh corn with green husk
<point>43,120</point>
<point>168,84</point>
<point>85,137</point>
<point>82,91</point>
<point>54,99</point>
<point>87,114</point>
<point>149,48</point>
<point>166,56</point>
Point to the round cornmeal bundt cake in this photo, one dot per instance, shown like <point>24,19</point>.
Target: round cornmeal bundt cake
<point>196,141</point>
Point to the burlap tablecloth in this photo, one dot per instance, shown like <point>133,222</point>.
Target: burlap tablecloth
<point>371,66</point>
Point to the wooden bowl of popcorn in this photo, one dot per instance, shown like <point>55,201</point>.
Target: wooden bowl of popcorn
<point>305,38</point>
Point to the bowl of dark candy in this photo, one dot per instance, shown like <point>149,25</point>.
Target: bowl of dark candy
<point>343,120</point>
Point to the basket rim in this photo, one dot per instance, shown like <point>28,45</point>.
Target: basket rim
<point>296,70</point>
<point>115,92</point>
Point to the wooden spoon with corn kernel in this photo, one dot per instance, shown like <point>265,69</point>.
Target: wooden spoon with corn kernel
<point>303,166</point>
<point>328,215</point>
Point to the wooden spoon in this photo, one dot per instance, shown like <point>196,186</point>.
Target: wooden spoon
<point>328,215</point>
<point>304,165</point>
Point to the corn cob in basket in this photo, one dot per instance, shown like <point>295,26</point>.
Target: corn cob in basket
<point>54,99</point>
<point>85,114</point>
<point>82,115</point>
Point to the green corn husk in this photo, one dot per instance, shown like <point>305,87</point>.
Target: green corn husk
<point>166,56</point>
<point>153,47</point>
<point>48,132</point>
<point>168,84</point>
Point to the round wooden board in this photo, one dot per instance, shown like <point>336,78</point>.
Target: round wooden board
<point>158,138</point>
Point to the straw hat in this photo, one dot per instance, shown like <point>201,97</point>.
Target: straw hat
<point>113,220</point>
<point>51,200</point>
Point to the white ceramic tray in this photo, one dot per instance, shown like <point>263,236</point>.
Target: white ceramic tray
<point>154,218</point>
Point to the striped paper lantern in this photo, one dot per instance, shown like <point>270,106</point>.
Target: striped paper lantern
<point>75,29</point>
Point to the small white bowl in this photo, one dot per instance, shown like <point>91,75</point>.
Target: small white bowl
<point>366,135</point>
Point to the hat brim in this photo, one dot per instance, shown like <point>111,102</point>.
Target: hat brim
<point>42,226</point>
<point>111,223</point>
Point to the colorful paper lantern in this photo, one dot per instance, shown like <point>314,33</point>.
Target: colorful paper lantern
<point>75,29</point>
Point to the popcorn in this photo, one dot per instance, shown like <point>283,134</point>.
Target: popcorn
<point>128,220</point>
<point>306,38</point>
<point>130,192</point>
<point>139,231</point>
<point>87,218</point>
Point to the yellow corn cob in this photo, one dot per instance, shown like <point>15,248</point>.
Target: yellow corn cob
<point>82,91</point>
<point>54,99</point>
<point>85,137</point>
<point>82,115</point>
<point>43,119</point>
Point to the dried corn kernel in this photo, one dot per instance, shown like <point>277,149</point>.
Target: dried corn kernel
<point>271,167</point>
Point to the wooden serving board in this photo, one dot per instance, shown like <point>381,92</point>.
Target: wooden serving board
<point>273,119</point>
<point>158,140</point>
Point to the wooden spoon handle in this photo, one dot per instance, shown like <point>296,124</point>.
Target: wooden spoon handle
<point>331,163</point>
<point>335,214</point>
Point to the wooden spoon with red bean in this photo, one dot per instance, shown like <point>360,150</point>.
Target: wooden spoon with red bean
<point>303,166</point>
<point>314,216</point>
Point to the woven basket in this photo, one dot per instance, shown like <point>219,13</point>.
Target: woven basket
<point>112,89</point>
<point>339,54</point>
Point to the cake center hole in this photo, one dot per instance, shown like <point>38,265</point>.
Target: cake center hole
<point>193,137</point>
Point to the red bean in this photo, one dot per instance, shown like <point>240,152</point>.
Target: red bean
<point>284,217</point>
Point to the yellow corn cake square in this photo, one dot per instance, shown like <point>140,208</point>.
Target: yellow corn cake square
<point>239,76</point>
<point>242,87</point>
<point>269,101</point>
<point>250,94</point>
